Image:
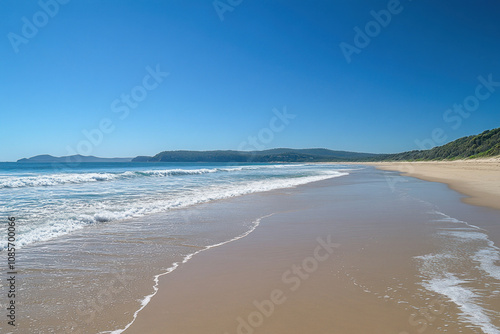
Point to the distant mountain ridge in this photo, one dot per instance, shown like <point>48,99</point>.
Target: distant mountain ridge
<point>272,155</point>
<point>45,158</point>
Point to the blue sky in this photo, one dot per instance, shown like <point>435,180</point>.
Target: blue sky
<point>67,68</point>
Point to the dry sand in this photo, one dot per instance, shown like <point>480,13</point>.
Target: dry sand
<point>479,179</point>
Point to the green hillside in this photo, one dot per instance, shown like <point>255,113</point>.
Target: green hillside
<point>485,144</point>
<point>482,145</point>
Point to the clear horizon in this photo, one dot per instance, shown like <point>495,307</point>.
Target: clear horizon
<point>137,78</point>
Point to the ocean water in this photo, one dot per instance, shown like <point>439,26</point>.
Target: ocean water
<point>50,201</point>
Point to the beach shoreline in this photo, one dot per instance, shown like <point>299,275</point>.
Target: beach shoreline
<point>478,179</point>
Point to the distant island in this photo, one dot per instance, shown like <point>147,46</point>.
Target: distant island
<point>485,144</point>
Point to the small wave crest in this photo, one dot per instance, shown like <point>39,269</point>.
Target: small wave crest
<point>48,180</point>
<point>54,179</point>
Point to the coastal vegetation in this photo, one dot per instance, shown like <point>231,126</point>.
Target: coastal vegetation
<point>486,144</point>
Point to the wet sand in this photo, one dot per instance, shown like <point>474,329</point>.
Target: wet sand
<point>479,179</point>
<point>336,256</point>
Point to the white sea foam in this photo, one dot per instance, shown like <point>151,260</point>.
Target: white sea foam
<point>176,172</point>
<point>467,253</point>
<point>46,180</point>
<point>60,224</point>
<point>466,299</point>
<point>442,217</point>
<point>54,179</point>
<point>489,260</point>
<point>48,231</point>
<point>74,178</point>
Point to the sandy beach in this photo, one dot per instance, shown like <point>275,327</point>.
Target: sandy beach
<point>337,256</point>
<point>479,179</point>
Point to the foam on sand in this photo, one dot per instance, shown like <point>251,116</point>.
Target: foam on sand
<point>465,271</point>
<point>145,301</point>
